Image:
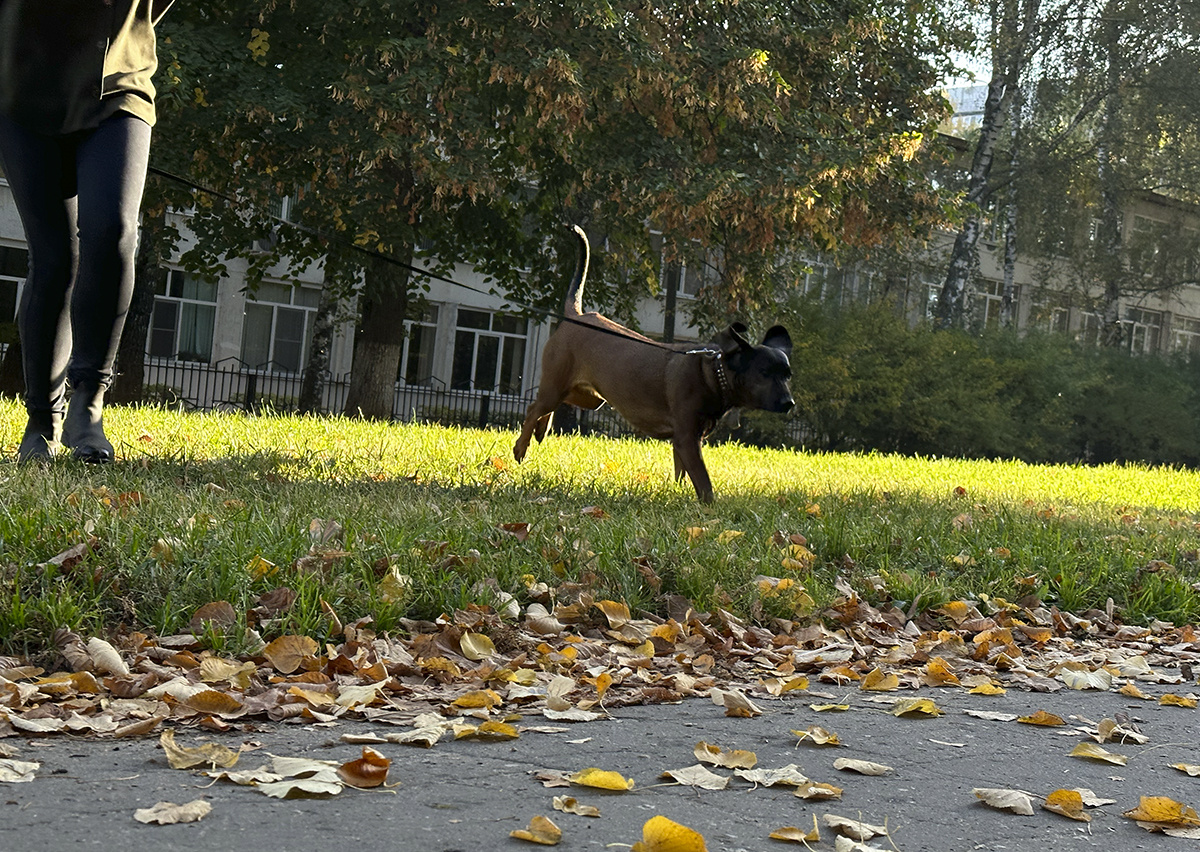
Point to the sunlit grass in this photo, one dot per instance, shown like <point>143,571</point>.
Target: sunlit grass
<point>195,499</point>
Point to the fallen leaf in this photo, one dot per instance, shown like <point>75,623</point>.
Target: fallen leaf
<point>169,813</point>
<point>1156,813</point>
<point>1043,718</point>
<point>105,658</point>
<point>17,771</point>
<point>541,830</point>
<point>368,771</point>
<point>877,680</point>
<point>825,708</point>
<point>571,805</point>
<point>660,834</point>
<point>735,704</point>
<point>818,791</point>
<point>1068,803</point>
<point>478,699</point>
<point>1006,800</point>
<point>790,775</point>
<point>601,779</point>
<point>732,759</point>
<point>798,835</point>
<point>987,689</point>
<point>209,754</point>
<point>862,767</point>
<point>817,735</point>
<point>1132,691</point>
<point>1091,751</point>
<point>920,707</point>
<point>486,731</point>
<point>1082,678</point>
<point>287,653</point>
<point>697,776</point>
<point>476,646</point>
<point>854,829</point>
<point>301,788</point>
<point>1190,768</point>
<point>1170,700</point>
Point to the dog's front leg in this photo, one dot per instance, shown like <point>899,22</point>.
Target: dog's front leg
<point>689,459</point>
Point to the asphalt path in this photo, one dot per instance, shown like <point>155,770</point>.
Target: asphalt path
<point>467,795</point>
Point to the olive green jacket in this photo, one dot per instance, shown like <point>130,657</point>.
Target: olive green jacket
<point>66,65</point>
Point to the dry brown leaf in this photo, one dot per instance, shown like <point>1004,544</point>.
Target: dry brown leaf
<point>214,703</point>
<point>1190,768</point>
<point>541,830</point>
<point>476,646</point>
<point>368,771</point>
<point>1170,700</point>
<point>735,704</point>
<point>790,776</point>
<point>169,813</point>
<point>1132,691</point>
<point>287,653</point>
<point>918,707</point>
<point>487,731</point>
<point>818,791</point>
<point>660,834</point>
<point>478,699</point>
<point>105,658</point>
<point>1016,801</point>
<point>854,829</point>
<point>1068,803</point>
<point>732,759</point>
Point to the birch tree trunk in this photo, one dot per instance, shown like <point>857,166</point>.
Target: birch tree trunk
<point>1108,257</point>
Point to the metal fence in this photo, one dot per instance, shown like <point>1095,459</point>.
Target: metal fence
<point>232,385</point>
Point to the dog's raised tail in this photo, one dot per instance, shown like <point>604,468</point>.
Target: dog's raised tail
<point>573,305</point>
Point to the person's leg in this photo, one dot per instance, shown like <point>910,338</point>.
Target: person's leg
<point>40,172</point>
<point>111,171</point>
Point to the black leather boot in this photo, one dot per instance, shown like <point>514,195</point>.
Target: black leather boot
<point>40,441</point>
<point>83,429</point>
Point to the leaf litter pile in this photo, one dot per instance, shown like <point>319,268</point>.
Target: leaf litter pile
<point>565,656</point>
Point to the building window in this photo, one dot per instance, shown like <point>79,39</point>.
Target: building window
<point>989,303</point>
<point>1143,330</point>
<point>278,326</point>
<point>489,352</point>
<point>185,312</point>
<point>1185,335</point>
<point>416,361</point>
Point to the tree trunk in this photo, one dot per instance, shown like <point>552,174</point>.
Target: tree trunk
<point>379,341</point>
<point>1109,264</point>
<point>1008,303</point>
<point>130,377</point>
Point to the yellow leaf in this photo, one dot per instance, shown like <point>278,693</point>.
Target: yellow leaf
<point>987,689</point>
<point>1043,718</point>
<point>1163,811</point>
<point>601,779</point>
<point>287,653</point>
<point>1068,803</point>
<point>478,699</point>
<point>778,686</point>
<point>476,646</point>
<point>1190,768</point>
<point>486,731</point>
<point>213,703</point>
<point>1091,751</point>
<point>937,673</point>
<point>616,613</point>
<point>259,567</point>
<point>818,736</point>
<point>916,707</point>
<point>732,759</point>
<point>813,509</point>
<point>541,830</point>
<point>659,834</point>
<point>798,835</point>
<point>877,680</point>
<point>215,670</point>
<point>395,587</point>
<point>1170,700</point>
<point>823,708</point>
<point>571,805</point>
<point>1130,689</point>
<point>727,536</point>
<point>695,533</point>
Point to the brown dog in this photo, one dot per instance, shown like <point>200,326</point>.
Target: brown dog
<point>670,391</point>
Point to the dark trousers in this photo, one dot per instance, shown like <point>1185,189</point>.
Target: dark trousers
<point>78,196</point>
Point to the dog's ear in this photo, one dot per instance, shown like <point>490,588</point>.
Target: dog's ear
<point>733,338</point>
<point>777,337</point>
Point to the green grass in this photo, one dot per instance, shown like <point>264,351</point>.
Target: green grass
<point>196,499</point>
